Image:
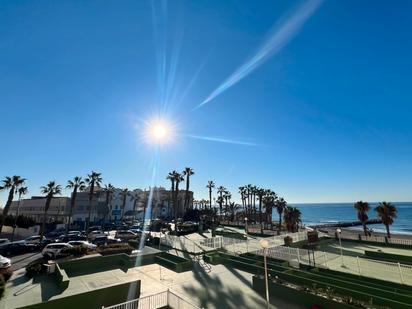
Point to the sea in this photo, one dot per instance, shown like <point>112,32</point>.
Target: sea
<point>323,213</point>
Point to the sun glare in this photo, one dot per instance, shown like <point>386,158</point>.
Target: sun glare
<point>158,132</point>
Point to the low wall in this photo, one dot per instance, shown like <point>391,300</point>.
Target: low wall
<point>20,232</point>
<point>295,296</point>
<point>173,262</point>
<point>95,299</point>
<point>389,257</point>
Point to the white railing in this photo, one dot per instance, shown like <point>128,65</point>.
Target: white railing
<point>158,300</point>
<point>395,272</point>
<point>377,239</point>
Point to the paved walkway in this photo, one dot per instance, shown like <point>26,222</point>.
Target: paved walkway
<point>222,287</point>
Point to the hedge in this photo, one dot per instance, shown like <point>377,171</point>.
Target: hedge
<point>389,257</point>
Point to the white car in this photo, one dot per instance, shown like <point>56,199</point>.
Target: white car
<point>93,234</point>
<point>4,262</point>
<point>34,240</point>
<point>82,243</point>
<point>126,235</point>
<point>55,250</point>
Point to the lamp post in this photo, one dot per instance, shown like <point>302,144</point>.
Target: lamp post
<point>265,244</point>
<point>246,226</point>
<point>339,231</point>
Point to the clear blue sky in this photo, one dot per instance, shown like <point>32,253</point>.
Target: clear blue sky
<point>330,112</point>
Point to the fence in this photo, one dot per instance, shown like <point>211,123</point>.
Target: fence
<point>395,272</point>
<point>377,239</point>
<point>158,300</point>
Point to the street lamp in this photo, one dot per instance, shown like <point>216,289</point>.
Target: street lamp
<point>339,231</point>
<point>246,226</point>
<point>265,244</point>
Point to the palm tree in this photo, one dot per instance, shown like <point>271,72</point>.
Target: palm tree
<point>171,177</point>
<point>210,185</point>
<point>178,179</point>
<point>221,190</point>
<point>362,209</point>
<point>260,193</point>
<point>109,190</point>
<point>21,191</point>
<point>387,212</point>
<point>187,172</point>
<point>281,206</point>
<point>292,217</point>
<point>51,189</point>
<point>12,184</point>
<point>77,184</point>
<point>269,202</point>
<point>123,194</point>
<point>135,197</point>
<point>93,179</point>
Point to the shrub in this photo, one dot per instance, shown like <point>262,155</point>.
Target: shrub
<point>115,249</point>
<point>75,251</point>
<point>2,286</point>
<point>6,273</point>
<point>34,268</point>
<point>288,241</point>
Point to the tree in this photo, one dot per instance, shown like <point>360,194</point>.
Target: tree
<point>260,193</point>
<point>281,206</point>
<point>292,217</point>
<point>187,172</point>
<point>12,184</point>
<point>362,209</point>
<point>269,202</point>
<point>210,185</point>
<point>21,191</point>
<point>93,179</point>
<point>178,179</point>
<point>50,190</point>
<point>78,185</point>
<point>221,190</point>
<point>171,177</point>
<point>387,212</point>
<point>135,197</point>
<point>109,190</point>
<point>123,195</point>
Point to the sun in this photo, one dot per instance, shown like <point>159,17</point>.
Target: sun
<point>159,132</point>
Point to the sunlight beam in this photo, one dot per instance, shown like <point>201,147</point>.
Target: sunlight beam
<point>222,140</point>
<point>281,34</point>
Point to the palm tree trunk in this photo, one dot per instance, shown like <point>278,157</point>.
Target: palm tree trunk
<point>90,206</point>
<point>7,207</point>
<point>365,229</point>
<point>387,231</point>
<point>72,205</point>
<point>280,224</point>
<point>46,208</point>
<point>210,198</point>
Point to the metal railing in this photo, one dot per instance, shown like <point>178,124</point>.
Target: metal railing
<point>158,300</point>
<point>377,239</point>
<point>390,271</point>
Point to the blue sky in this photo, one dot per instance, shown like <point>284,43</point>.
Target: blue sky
<point>329,114</point>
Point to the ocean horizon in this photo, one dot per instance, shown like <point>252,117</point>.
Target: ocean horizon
<point>324,213</point>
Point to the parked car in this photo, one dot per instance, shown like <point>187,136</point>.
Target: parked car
<point>93,234</point>
<point>4,262</point>
<point>34,239</point>
<point>45,242</point>
<point>105,240</point>
<point>126,235</point>
<point>71,237</point>
<point>55,250</point>
<point>94,228</point>
<point>82,243</point>
<point>4,241</point>
<point>16,248</point>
